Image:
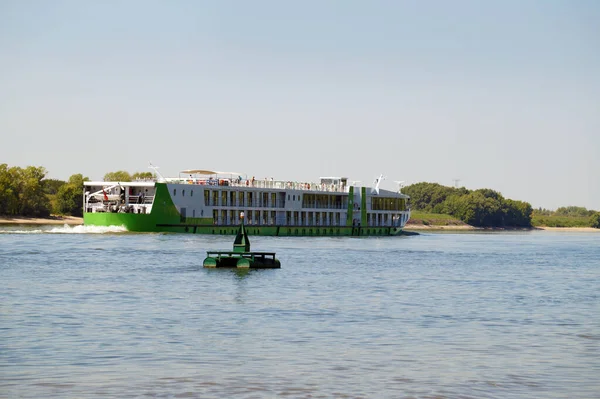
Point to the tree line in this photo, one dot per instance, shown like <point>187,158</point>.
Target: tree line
<point>485,207</point>
<point>569,216</point>
<point>482,208</point>
<point>568,211</point>
<point>27,192</point>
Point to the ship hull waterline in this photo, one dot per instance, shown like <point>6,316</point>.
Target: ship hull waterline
<point>145,223</point>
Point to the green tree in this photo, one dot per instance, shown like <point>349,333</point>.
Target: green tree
<point>466,208</point>
<point>428,197</point>
<point>595,220</point>
<point>51,186</point>
<point>518,213</point>
<point>482,211</point>
<point>77,180</point>
<point>9,193</point>
<point>487,208</point>
<point>69,199</point>
<point>142,176</point>
<point>483,207</point>
<point>26,192</point>
<point>573,211</point>
<point>451,205</point>
<point>542,212</point>
<point>118,176</point>
<point>489,193</point>
<point>32,198</point>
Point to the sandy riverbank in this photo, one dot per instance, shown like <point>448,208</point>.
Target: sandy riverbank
<point>421,227</point>
<point>579,229</point>
<point>432,227</point>
<point>60,220</point>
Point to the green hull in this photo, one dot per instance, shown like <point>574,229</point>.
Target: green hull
<point>149,223</point>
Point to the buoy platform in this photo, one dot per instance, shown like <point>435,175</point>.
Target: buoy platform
<point>241,256</point>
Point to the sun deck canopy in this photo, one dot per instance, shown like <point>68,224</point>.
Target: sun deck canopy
<point>334,180</point>
<point>208,172</point>
<point>119,183</point>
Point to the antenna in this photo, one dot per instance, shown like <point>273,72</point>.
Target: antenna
<point>400,184</point>
<point>155,169</point>
<point>376,183</point>
<point>456,182</point>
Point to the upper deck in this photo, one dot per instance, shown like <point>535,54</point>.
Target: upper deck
<point>232,179</point>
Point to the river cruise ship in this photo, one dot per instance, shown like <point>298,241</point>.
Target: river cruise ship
<point>210,202</point>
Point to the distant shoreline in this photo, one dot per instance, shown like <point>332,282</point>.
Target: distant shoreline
<point>72,220</point>
<point>582,229</point>
<point>433,229</point>
<point>61,220</point>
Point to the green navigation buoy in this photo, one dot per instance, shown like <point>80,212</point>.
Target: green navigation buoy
<point>241,256</point>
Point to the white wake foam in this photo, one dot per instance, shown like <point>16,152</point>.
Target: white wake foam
<point>66,229</point>
<point>10,231</point>
<point>82,229</point>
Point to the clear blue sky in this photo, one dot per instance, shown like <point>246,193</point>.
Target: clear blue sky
<point>499,94</point>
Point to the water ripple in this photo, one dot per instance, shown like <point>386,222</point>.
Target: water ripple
<point>434,316</point>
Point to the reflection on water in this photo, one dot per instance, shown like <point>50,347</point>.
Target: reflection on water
<point>437,315</point>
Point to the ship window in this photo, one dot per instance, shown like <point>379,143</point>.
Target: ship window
<point>265,200</point>
<point>294,198</point>
<point>224,198</point>
<point>183,193</point>
<point>288,197</point>
<point>192,193</point>
<point>174,192</point>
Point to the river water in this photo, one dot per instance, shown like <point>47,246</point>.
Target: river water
<point>89,313</point>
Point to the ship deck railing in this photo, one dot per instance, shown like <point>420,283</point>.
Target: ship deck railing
<point>278,205</point>
<point>114,207</point>
<point>133,199</point>
<point>275,184</point>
